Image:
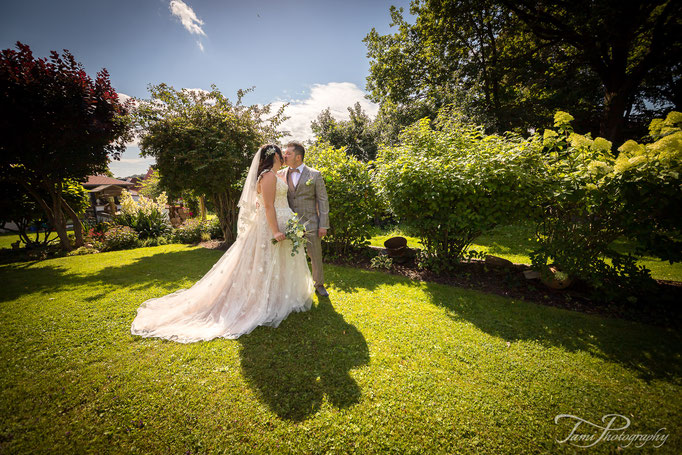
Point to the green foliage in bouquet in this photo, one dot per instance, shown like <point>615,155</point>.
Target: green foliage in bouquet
<point>295,233</point>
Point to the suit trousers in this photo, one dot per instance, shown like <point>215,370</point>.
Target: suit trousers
<point>314,249</point>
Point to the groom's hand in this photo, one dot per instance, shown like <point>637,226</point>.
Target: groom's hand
<point>321,232</point>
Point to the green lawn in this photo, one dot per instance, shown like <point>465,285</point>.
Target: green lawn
<point>513,243</point>
<point>7,238</point>
<point>383,365</point>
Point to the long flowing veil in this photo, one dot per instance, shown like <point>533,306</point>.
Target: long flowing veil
<point>247,201</point>
<point>255,282</point>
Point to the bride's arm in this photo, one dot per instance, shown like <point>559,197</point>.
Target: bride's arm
<point>268,186</point>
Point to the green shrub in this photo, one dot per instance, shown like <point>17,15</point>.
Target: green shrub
<point>98,244</point>
<point>120,238</point>
<point>148,218</point>
<point>381,261</point>
<point>353,201</point>
<point>189,231</point>
<point>82,250</point>
<point>156,241</point>
<point>594,199</point>
<point>212,228</point>
<point>449,183</point>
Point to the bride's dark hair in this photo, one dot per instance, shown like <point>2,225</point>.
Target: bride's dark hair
<point>267,157</point>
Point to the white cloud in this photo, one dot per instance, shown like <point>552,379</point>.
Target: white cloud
<point>187,16</point>
<point>137,160</point>
<point>198,91</point>
<point>122,97</point>
<point>201,46</point>
<point>337,96</point>
<point>135,164</point>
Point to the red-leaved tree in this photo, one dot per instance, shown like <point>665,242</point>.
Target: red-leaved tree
<point>56,123</point>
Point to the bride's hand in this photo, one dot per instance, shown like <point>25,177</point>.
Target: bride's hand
<point>279,236</point>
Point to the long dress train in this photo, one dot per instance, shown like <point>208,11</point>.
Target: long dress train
<point>254,283</point>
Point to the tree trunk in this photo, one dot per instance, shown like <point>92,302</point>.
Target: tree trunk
<point>226,208</point>
<point>54,213</point>
<point>202,207</point>
<point>77,226</point>
<point>613,119</point>
<point>59,219</point>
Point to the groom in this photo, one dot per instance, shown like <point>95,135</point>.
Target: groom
<point>308,198</point>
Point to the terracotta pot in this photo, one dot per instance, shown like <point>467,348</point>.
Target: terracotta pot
<point>553,282</point>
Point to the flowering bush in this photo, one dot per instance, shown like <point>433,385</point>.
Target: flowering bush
<point>120,238</point>
<point>147,217</point>
<point>95,231</point>
<point>450,182</point>
<point>594,199</point>
<point>95,235</point>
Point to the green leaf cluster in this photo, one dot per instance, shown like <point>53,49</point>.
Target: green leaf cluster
<point>353,202</point>
<point>203,142</point>
<point>594,198</point>
<point>450,182</point>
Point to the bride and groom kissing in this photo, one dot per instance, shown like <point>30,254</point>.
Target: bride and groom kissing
<point>256,281</point>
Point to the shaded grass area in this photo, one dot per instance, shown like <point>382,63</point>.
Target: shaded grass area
<point>515,243</point>
<point>384,364</point>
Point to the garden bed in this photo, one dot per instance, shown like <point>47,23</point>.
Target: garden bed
<point>661,308</point>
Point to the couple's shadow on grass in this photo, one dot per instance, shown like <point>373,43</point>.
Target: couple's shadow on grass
<point>309,356</point>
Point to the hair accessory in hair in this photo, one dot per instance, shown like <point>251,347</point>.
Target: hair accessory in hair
<point>269,151</point>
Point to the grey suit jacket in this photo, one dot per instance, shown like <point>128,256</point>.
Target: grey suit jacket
<point>309,200</point>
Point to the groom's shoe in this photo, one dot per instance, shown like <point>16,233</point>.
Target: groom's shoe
<point>321,291</point>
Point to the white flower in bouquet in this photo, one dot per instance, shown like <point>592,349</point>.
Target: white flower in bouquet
<point>295,231</point>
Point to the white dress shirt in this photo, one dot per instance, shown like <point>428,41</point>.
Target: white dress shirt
<point>296,176</point>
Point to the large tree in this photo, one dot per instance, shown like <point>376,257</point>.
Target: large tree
<point>626,44</point>
<point>504,69</point>
<point>204,143</point>
<point>357,135</point>
<point>56,124</point>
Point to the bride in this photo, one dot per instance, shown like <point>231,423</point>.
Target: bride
<point>254,283</point>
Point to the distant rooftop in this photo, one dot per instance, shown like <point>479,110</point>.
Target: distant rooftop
<point>97,180</point>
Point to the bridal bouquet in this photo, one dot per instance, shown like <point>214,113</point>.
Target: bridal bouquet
<point>295,231</point>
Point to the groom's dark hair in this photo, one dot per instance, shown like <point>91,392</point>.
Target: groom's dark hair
<point>298,148</point>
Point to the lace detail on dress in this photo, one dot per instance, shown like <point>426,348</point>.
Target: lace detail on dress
<point>281,201</point>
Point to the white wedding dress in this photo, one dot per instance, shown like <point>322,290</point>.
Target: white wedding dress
<point>254,283</point>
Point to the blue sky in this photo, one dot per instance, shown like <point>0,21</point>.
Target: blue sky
<point>309,53</point>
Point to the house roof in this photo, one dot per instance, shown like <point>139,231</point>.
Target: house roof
<point>97,180</point>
